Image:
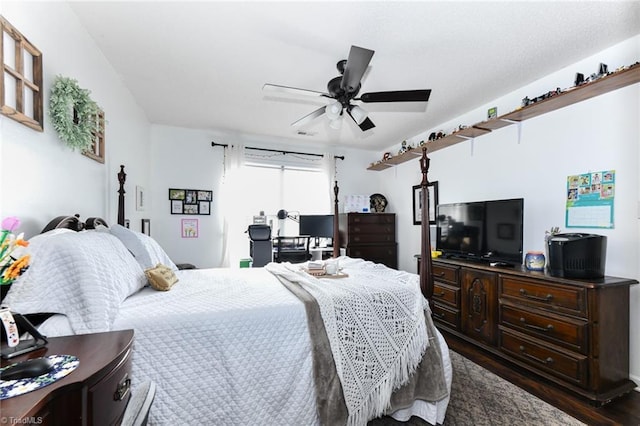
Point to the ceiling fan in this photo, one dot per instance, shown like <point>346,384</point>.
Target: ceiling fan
<point>344,89</point>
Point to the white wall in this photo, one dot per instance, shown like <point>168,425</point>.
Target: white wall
<point>41,178</point>
<point>602,133</point>
<point>184,158</point>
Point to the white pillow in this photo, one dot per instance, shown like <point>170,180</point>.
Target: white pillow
<point>145,249</point>
<point>83,275</point>
<point>133,244</point>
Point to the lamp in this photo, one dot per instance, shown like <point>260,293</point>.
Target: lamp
<point>283,214</point>
<point>333,110</point>
<point>358,114</point>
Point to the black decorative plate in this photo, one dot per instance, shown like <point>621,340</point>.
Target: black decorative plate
<point>377,203</point>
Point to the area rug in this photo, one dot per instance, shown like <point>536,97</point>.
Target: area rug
<point>479,397</point>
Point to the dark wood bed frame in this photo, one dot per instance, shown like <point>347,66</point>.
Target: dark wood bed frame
<point>426,278</point>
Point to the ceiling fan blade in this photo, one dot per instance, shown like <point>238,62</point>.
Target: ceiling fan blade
<point>307,118</point>
<point>397,96</point>
<point>357,64</point>
<point>293,90</point>
<point>365,125</point>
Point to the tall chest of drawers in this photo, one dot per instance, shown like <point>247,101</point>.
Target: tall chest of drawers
<point>574,333</point>
<point>370,236</point>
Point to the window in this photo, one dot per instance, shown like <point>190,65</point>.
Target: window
<point>297,190</point>
<point>21,82</point>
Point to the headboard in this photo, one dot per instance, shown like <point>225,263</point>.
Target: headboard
<point>74,223</point>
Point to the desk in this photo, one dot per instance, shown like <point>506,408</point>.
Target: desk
<point>327,252</point>
<point>291,249</point>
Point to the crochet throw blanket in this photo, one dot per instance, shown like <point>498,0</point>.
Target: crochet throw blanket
<point>375,323</point>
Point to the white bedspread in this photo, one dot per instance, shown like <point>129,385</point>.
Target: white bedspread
<point>229,347</point>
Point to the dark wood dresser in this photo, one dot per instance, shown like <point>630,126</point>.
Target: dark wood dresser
<point>370,236</point>
<point>95,393</point>
<point>572,332</point>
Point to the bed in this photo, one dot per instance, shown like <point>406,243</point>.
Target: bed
<point>270,345</point>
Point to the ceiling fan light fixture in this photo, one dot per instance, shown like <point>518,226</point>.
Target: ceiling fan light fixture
<point>333,110</point>
<point>358,114</point>
<point>336,123</point>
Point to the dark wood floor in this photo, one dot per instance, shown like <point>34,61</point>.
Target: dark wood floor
<point>623,411</point>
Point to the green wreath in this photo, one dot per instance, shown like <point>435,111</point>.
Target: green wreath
<point>73,113</point>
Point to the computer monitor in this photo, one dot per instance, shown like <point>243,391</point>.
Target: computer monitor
<point>319,226</point>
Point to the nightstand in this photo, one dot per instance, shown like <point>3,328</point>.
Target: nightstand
<point>95,393</point>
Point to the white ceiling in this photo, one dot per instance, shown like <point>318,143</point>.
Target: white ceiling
<point>203,64</point>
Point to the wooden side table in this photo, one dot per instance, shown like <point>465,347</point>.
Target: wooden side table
<point>95,393</point>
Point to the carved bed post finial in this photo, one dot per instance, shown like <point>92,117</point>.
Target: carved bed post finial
<point>122,177</point>
<point>426,267</point>
<point>336,231</point>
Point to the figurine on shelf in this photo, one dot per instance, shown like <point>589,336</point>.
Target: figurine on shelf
<point>386,156</point>
<point>403,148</point>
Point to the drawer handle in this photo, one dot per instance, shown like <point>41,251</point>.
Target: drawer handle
<point>547,298</point>
<point>549,327</point>
<point>441,294</point>
<point>546,361</point>
<point>123,389</point>
<point>437,314</point>
<point>440,275</point>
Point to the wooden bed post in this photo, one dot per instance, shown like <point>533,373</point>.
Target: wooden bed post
<point>426,267</point>
<point>122,177</point>
<point>336,231</point>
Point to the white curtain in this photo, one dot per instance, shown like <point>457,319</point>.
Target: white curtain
<point>231,195</point>
<point>328,166</point>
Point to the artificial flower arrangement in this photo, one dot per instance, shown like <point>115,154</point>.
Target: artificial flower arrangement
<point>12,262</point>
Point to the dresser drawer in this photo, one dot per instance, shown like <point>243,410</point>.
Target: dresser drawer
<point>109,397</point>
<point>558,297</point>
<point>386,254</point>
<point>446,294</point>
<point>371,218</point>
<point>371,234</point>
<point>446,274</point>
<point>568,366</point>
<point>563,331</point>
<point>445,315</point>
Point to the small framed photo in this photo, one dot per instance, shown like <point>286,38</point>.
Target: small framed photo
<point>204,207</point>
<point>140,201</point>
<point>176,194</point>
<point>189,228</point>
<point>190,209</point>
<point>176,206</point>
<point>146,226</point>
<point>191,196</point>
<point>432,195</point>
<point>205,196</point>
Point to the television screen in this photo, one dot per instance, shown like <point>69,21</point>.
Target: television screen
<point>460,229</point>
<point>320,226</point>
<point>483,230</point>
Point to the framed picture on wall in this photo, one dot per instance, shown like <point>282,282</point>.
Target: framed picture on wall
<point>146,226</point>
<point>190,209</point>
<point>432,193</point>
<point>203,207</point>
<point>176,194</point>
<point>176,206</point>
<point>189,228</point>
<point>140,201</point>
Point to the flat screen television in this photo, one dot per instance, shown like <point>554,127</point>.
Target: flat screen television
<point>319,226</point>
<point>488,231</point>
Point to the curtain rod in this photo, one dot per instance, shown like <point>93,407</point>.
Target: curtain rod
<point>224,145</point>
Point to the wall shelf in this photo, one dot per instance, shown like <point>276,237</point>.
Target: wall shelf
<point>614,81</point>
